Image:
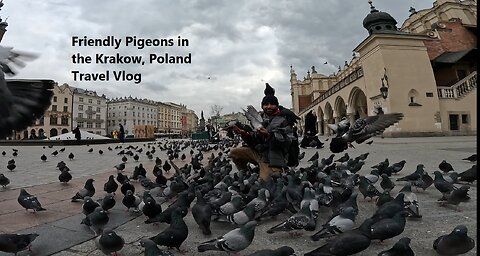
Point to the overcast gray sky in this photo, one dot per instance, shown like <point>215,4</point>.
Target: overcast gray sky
<point>239,45</point>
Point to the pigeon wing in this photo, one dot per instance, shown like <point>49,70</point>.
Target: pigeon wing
<point>254,117</point>
<point>364,128</point>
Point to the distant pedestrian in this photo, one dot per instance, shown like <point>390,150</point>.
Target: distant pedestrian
<point>77,133</point>
<point>310,138</point>
<point>121,134</point>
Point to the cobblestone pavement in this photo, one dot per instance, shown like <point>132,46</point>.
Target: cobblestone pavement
<point>62,234</point>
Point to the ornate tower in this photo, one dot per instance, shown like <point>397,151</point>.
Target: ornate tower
<point>3,24</point>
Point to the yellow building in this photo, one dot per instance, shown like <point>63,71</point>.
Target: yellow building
<point>425,70</point>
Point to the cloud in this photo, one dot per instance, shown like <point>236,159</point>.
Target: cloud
<point>236,46</point>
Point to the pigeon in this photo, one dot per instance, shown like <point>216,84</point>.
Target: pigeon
<point>131,201</point>
<point>202,213</point>
<point>415,175</point>
<point>71,156</point>
<point>457,196</point>
<point>28,201</point>
<point>61,150</point>
<point>233,241</point>
<point>136,157</point>
<point>65,175</point>
<point>96,220</point>
<point>297,221</point>
<point>43,158</point>
<point>253,116</point>
<point>110,186</point>
<point>87,190</point>
<point>472,158</point>
<point>400,248</point>
<point>411,202</point>
<point>442,185</point>
<point>100,152</point>
<point>22,101</point>
<point>457,242</point>
<point>384,198</point>
<point>397,167</point>
<point>314,157</point>
<point>150,208</point>
<point>389,209</point>
<point>4,181</point>
<point>122,178</point>
<point>386,184</point>
<point>445,167</point>
<point>339,224</point>
<point>108,202</point>
<point>469,175</point>
<point>175,234</point>
<point>127,186</point>
<point>389,227</point>
<point>151,248</point>
<point>282,251</point>
<point>109,242</point>
<point>367,189</point>
<point>124,159</point>
<point>14,243</point>
<point>369,142</point>
<point>89,205</point>
<point>356,239</point>
<point>11,165</point>
<point>362,129</point>
<point>344,158</point>
<point>120,167</point>
<point>4,153</point>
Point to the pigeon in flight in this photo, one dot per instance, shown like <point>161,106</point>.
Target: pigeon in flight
<point>21,101</point>
<point>362,129</point>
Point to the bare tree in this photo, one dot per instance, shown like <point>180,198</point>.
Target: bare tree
<point>215,111</point>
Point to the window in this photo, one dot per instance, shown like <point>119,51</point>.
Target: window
<point>98,125</point>
<point>90,108</point>
<point>429,94</point>
<point>89,116</point>
<point>53,120</point>
<point>64,120</point>
<point>54,107</point>
<point>65,108</point>
<point>80,115</point>
<point>80,99</point>
<point>98,102</point>
<point>464,119</point>
<point>54,98</point>
<point>125,113</point>
<point>65,100</point>
<point>98,109</point>
<point>90,101</point>
<point>124,122</point>
<point>113,114</point>
<point>97,116</point>
<point>80,124</point>
<point>89,125</point>
<point>80,107</point>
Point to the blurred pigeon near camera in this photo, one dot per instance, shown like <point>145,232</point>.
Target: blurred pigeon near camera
<point>457,242</point>
<point>14,243</point>
<point>362,129</point>
<point>22,102</point>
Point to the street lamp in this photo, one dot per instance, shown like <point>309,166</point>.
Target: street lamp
<point>384,88</point>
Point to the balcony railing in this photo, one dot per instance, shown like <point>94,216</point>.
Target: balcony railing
<point>460,89</point>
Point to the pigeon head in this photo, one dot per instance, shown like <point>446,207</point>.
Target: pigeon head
<point>285,250</point>
<point>460,230</point>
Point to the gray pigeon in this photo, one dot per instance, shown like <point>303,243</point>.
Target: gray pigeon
<point>96,220</point>
<point>339,224</point>
<point>282,251</point>
<point>87,190</point>
<point>233,241</point>
<point>21,101</point>
<point>29,201</point>
<point>362,129</point>
<point>109,242</point>
<point>254,117</point>
<point>298,221</point>
<point>202,213</point>
<point>457,242</point>
<point>14,243</point>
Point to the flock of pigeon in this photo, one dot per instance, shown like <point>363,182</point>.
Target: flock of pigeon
<point>212,192</point>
